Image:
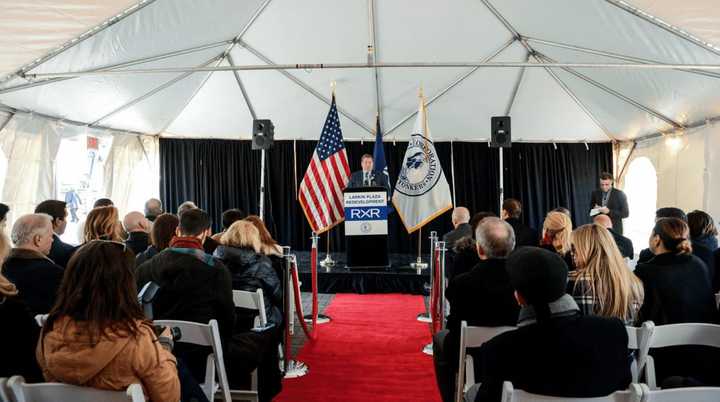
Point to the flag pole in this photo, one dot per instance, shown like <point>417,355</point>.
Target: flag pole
<point>419,265</point>
<point>328,262</point>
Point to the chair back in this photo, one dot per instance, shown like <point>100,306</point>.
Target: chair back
<point>677,335</point>
<point>633,394</point>
<point>717,299</point>
<point>56,392</point>
<point>205,335</point>
<point>4,390</point>
<point>638,341</point>
<point>692,394</point>
<point>472,337</point>
<point>251,301</point>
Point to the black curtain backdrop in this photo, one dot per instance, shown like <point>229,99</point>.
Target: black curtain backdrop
<point>223,174</point>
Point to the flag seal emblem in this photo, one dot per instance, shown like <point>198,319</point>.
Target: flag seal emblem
<point>421,170</point>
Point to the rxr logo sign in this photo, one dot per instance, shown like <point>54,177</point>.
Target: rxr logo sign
<point>370,213</point>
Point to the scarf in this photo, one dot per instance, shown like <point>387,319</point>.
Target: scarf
<point>565,306</point>
<point>191,246</point>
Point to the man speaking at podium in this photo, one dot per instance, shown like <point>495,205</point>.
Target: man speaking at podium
<point>367,177</point>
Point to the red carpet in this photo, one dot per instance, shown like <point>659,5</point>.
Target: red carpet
<point>371,351</point>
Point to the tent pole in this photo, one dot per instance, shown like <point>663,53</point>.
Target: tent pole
<point>457,81</point>
<point>616,94</point>
<point>372,51</point>
<point>502,180</point>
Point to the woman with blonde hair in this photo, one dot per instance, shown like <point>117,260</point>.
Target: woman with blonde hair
<point>103,223</point>
<point>557,229</point>
<point>602,284</point>
<point>268,245</point>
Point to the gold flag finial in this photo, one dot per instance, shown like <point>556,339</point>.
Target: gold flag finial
<point>333,84</point>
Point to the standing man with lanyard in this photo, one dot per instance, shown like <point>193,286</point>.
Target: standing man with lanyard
<point>610,201</point>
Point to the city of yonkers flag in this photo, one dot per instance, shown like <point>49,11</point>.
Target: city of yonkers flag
<point>422,193</point>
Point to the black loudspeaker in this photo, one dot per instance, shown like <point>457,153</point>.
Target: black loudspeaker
<point>500,132</point>
<point>263,134</point>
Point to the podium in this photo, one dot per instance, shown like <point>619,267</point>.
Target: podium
<point>366,228</point>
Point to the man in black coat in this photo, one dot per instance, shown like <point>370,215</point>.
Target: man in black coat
<point>624,244</point>
<point>367,177</point>
<point>555,350</point>
<point>482,297</point>
<point>137,228</point>
<point>60,252</point>
<point>461,227</point>
<point>28,267</point>
<point>524,235</point>
<point>610,201</point>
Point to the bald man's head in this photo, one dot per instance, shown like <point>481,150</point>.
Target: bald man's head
<point>460,215</point>
<point>604,221</point>
<point>136,222</point>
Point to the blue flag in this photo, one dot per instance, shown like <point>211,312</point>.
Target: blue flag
<point>379,164</point>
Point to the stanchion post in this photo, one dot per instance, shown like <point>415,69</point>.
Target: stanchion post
<point>441,248</point>
<point>321,318</point>
<point>291,368</point>
<point>425,317</point>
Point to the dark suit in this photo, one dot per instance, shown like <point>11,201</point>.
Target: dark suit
<point>624,244</point>
<point>616,203</point>
<point>377,179</point>
<point>36,277</point>
<point>524,235</point>
<point>61,252</point>
<point>463,230</point>
<point>138,242</point>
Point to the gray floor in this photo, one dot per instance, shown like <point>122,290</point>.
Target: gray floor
<point>299,338</point>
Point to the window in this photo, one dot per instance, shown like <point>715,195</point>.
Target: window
<point>641,191</point>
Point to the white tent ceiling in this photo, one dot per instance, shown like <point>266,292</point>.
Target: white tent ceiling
<point>556,104</point>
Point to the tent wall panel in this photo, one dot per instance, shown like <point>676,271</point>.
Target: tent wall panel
<point>222,174</point>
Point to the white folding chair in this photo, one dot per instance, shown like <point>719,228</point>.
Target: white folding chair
<point>638,341</point>
<point>205,335</point>
<point>717,299</point>
<point>633,394</point>
<point>679,335</point>
<point>472,337</point>
<point>4,390</point>
<point>691,394</point>
<point>251,301</point>
<point>57,392</point>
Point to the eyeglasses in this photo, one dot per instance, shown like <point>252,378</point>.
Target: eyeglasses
<point>124,246</point>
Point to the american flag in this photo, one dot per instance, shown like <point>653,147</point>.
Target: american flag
<point>321,190</point>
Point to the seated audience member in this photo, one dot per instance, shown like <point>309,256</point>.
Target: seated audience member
<point>563,210</point>
<point>153,209</point>
<point>602,284</point>
<point>162,232</point>
<point>624,244</point>
<point>137,228</point>
<point>96,334</point>
<point>103,223</point>
<point>60,252</point>
<point>268,245</point>
<point>465,256</point>
<point>209,245</point>
<point>461,227</point>
<point>20,334</point>
<point>240,250</point>
<point>677,290</point>
<point>196,287</point>
<point>28,267</point>
<point>703,236</point>
<point>666,212</point>
<point>557,230</point>
<point>556,350</point>
<point>228,218</point>
<point>524,235</point>
<point>482,297</point>
<point>103,202</point>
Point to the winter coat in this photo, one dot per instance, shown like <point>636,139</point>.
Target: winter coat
<point>67,354</point>
<point>251,271</point>
<point>36,277</point>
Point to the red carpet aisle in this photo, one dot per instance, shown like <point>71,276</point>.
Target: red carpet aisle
<point>371,351</point>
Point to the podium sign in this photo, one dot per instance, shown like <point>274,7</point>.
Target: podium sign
<point>366,213</point>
